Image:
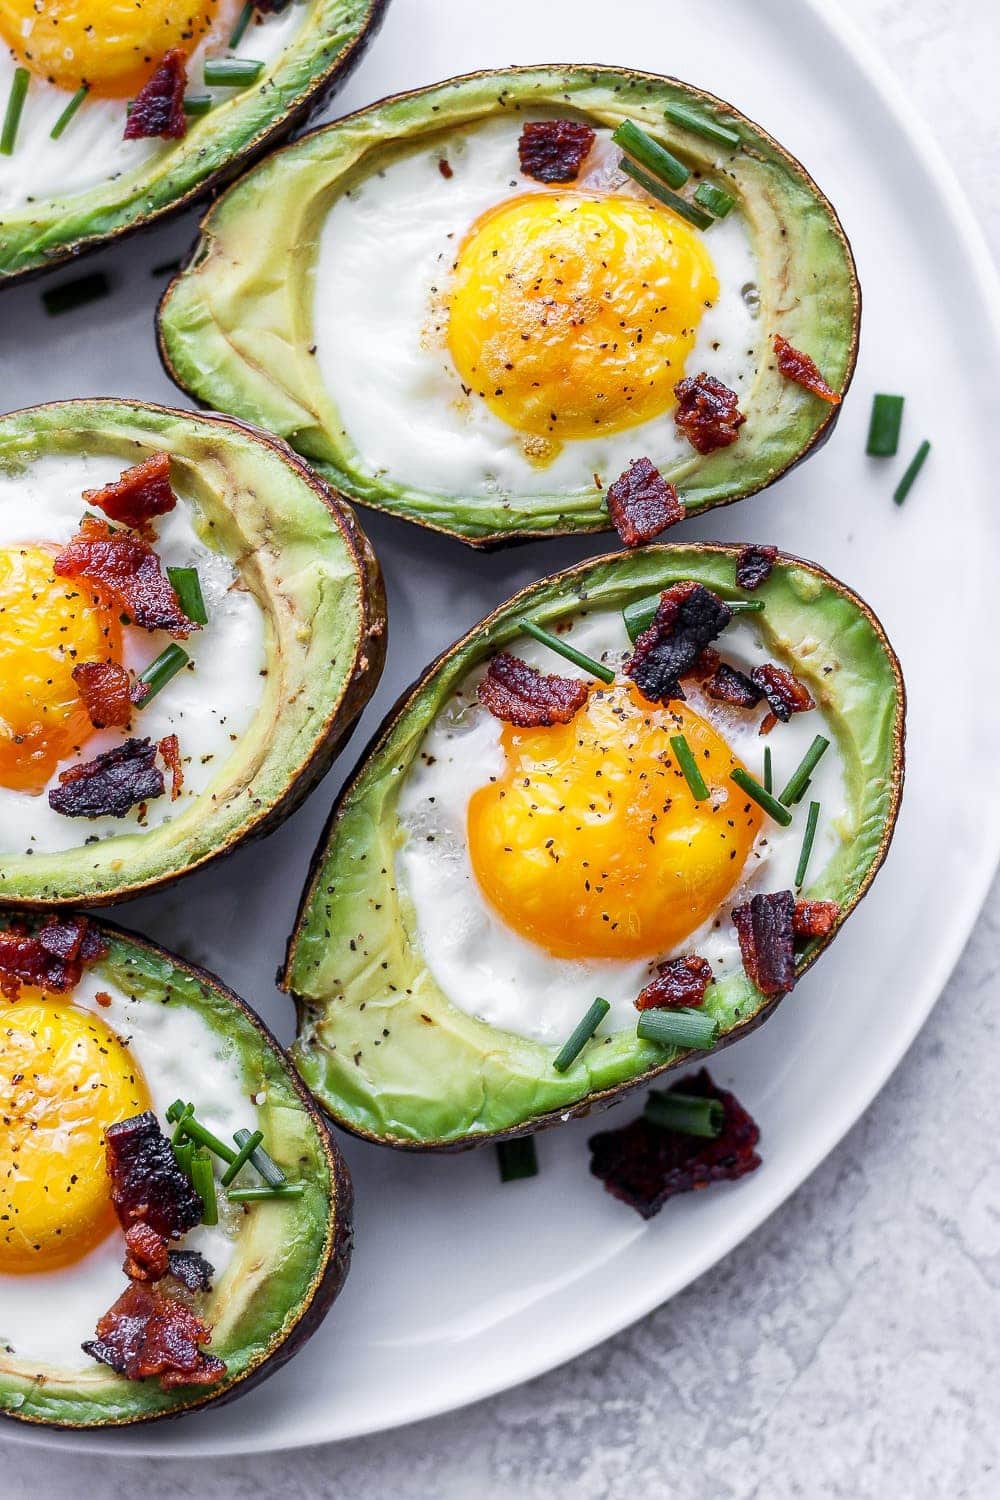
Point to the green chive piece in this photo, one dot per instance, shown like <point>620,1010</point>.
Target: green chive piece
<point>187,586</point>
<point>202,1136</point>
<point>638,615</point>
<point>555,643</point>
<point>231,72</point>
<point>916,464</point>
<point>689,767</point>
<point>580,1035</point>
<point>883,426</point>
<point>69,112</point>
<point>242,22</point>
<point>261,1194</point>
<point>768,773</point>
<point>180,1134</point>
<point>761,796</point>
<point>203,1182</point>
<point>517,1158</point>
<point>183,1152</point>
<point>650,154</point>
<point>162,670</point>
<point>73,294</point>
<point>664,195</point>
<point>175,1110</point>
<point>699,124</point>
<point>197,104</point>
<point>800,776</point>
<point>690,1114</point>
<point>715,199</point>
<point>267,1167</point>
<point>807,845</point>
<point>15,108</point>
<point>248,1143</point>
<point>677,1028</point>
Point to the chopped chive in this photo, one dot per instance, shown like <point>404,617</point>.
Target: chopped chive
<point>248,1144</point>
<point>761,796</point>
<point>69,112</point>
<point>580,1035</point>
<point>649,153</point>
<point>267,1166</point>
<point>715,199</point>
<point>699,124</point>
<point>260,1194</point>
<point>175,1110</point>
<point>73,294</point>
<point>916,464</point>
<point>196,1131</point>
<point>15,108</point>
<point>638,615</point>
<point>587,663</point>
<point>883,427</point>
<point>517,1158</point>
<point>162,670</point>
<point>689,767</point>
<point>231,72</point>
<point>203,1182</point>
<point>807,845</point>
<point>179,1132</point>
<point>197,104</point>
<point>183,1152</point>
<point>677,1028</point>
<point>800,776</point>
<point>664,195</point>
<point>187,586</point>
<point>688,1113</point>
<point>242,22</point>
<point>768,773</point>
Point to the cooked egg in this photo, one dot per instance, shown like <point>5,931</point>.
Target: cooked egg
<point>540,868</point>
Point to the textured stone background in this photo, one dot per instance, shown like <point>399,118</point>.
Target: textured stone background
<point>850,1348</point>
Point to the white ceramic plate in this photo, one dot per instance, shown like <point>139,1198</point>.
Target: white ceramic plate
<point>460,1286</point>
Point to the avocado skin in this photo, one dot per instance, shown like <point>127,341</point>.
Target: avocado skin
<point>130,429</point>
<point>349,920</point>
<point>799,238</point>
<point>32,245</point>
<point>317,1262</point>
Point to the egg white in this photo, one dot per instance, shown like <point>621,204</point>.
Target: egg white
<point>206,708</point>
<point>490,971</point>
<point>385,257</point>
<point>45,1316</point>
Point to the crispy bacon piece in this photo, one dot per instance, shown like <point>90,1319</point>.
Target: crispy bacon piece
<point>785,694</point>
<point>191,1269</point>
<point>679,981</point>
<point>146,1182</point>
<point>111,784</point>
<point>729,685</point>
<point>106,690</point>
<point>146,1258</point>
<point>170,749</point>
<point>123,567</point>
<point>753,566</point>
<point>688,617</point>
<point>814,919</point>
<point>519,694</point>
<point>707,412</point>
<point>765,928</point>
<point>158,107</point>
<point>553,150</point>
<point>141,493</point>
<point>147,1333</point>
<point>644,1165</point>
<point>641,503</point>
<point>52,957</point>
<point>445,167</point>
<point>795,365</point>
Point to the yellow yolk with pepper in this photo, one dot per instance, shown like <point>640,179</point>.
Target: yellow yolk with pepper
<point>112,46</point>
<point>47,626</point>
<point>64,1077</point>
<point>591,843</point>
<point>573,314</point>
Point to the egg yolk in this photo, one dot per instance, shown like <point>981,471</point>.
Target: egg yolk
<point>112,46</point>
<point>47,625</point>
<point>591,843</point>
<point>64,1077</point>
<point>572,315</point>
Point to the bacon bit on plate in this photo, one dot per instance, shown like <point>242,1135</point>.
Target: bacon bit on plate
<point>688,617</point>
<point>146,1256</point>
<point>765,928</point>
<point>52,957</point>
<point>707,412</point>
<point>814,919</point>
<point>785,694</point>
<point>191,1269</point>
<point>679,981</point>
<point>519,694</point>
<point>141,493</point>
<point>146,1183</point>
<point>554,150</point>
<point>730,685</point>
<point>127,570</point>
<point>644,1165</point>
<point>111,784</point>
<point>146,1333</point>
<point>641,503</point>
<point>170,749</point>
<point>795,365</point>
<point>106,690</point>
<point>445,167</point>
<point>103,999</point>
<point>706,665</point>
<point>753,566</point>
<point>158,108</point>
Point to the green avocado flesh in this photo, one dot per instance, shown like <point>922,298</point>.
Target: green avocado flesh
<point>289,1257</point>
<point>302,557</point>
<point>379,1043</point>
<point>238,328</point>
<point>329,39</point>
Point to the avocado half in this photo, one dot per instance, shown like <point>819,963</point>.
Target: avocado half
<point>291,1256</point>
<point>217,146</point>
<point>236,327</point>
<point>379,1044</point>
<point>316,578</point>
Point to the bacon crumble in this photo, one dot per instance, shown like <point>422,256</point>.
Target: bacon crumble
<point>140,494</point>
<point>706,665</point>
<point>148,1333</point>
<point>146,1256</point>
<point>765,928</point>
<point>679,981</point>
<point>52,957</point>
<point>554,150</point>
<point>445,167</point>
<point>191,1269</point>
<point>803,370</point>
<point>105,688</point>
<point>147,1184</point>
<point>814,919</point>
<point>785,694</point>
<point>519,694</point>
<point>111,784</point>
<point>753,566</point>
<point>170,749</point>
<point>688,617</point>
<point>158,108</point>
<point>730,685</point>
<point>123,567</point>
<point>707,412</point>
<point>641,503</point>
